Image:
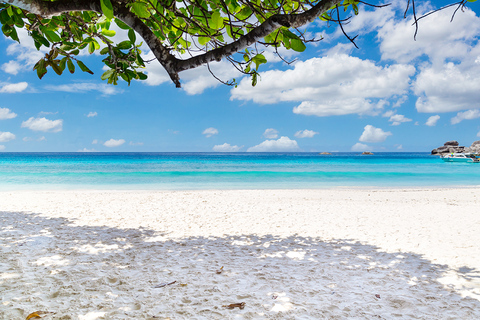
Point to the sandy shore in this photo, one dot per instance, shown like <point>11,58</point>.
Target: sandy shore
<point>287,254</point>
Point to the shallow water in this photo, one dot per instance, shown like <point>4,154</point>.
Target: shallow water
<point>183,171</point>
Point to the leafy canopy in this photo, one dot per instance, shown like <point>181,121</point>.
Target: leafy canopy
<point>200,30</point>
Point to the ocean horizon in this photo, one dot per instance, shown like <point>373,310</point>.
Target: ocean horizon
<point>208,170</point>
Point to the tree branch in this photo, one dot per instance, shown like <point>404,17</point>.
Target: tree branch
<point>172,64</point>
<point>49,9</point>
<point>268,26</point>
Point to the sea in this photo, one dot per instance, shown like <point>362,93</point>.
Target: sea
<point>203,171</point>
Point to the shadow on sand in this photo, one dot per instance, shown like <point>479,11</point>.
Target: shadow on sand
<point>92,272</point>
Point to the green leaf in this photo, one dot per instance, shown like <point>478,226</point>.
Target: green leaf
<point>141,9</point>
<point>131,36</point>
<point>52,36</point>
<point>56,68</point>
<point>124,45</point>
<point>121,24</point>
<point>108,33</point>
<point>62,63</point>
<point>258,60</point>
<point>91,47</point>
<point>107,8</point>
<point>297,45</point>
<point>203,40</point>
<point>254,79</point>
<point>104,51</point>
<point>216,21</point>
<point>142,76</point>
<point>40,66</point>
<point>107,74</point>
<point>83,67</point>
<point>71,66</point>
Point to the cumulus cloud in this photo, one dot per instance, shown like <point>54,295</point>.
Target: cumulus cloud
<point>43,124</point>
<point>92,114</point>
<point>439,37</point>
<point>305,134</point>
<point>13,87</point>
<point>372,134</point>
<point>226,147</point>
<point>448,88</point>
<point>11,67</point>
<point>6,136</point>
<point>210,132</point>
<point>332,85</point>
<point>82,87</point>
<point>6,113</point>
<point>114,143</point>
<point>284,144</point>
<point>270,133</point>
<point>360,147</point>
<point>467,115</point>
<point>398,119</point>
<point>194,81</point>
<point>432,121</point>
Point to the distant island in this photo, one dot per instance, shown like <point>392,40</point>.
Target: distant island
<point>453,147</point>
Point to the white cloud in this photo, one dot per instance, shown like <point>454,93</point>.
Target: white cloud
<point>103,88</point>
<point>226,148</point>
<point>87,150</point>
<point>131,143</point>
<point>2,147</point>
<point>360,147</point>
<point>43,124</point>
<point>270,133</point>
<point>332,85</point>
<point>432,121</point>
<point>305,134</point>
<point>12,67</point>
<point>397,119</point>
<point>6,113</point>
<point>467,115</point>
<point>6,136</point>
<point>42,138</point>
<point>284,144</point>
<point>114,143</point>
<point>194,81</point>
<point>478,134</point>
<point>438,36</point>
<point>95,141</point>
<point>13,87</point>
<point>92,114</point>
<point>448,88</point>
<point>372,134</point>
<point>210,132</point>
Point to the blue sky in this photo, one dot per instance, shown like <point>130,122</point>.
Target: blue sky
<point>391,94</point>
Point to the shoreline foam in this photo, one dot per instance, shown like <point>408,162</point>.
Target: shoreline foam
<point>304,254</point>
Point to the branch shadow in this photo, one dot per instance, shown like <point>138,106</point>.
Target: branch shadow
<point>100,272</point>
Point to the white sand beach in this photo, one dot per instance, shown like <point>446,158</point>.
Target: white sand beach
<point>286,254</point>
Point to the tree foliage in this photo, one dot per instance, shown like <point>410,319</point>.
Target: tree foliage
<point>182,34</point>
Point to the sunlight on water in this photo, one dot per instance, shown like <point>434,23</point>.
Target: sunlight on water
<point>180,171</point>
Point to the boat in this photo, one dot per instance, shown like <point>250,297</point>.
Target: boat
<point>460,157</point>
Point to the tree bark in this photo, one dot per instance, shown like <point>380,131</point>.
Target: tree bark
<point>172,64</point>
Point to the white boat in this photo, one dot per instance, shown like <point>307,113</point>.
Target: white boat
<point>460,157</point>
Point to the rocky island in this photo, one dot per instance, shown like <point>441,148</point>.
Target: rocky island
<point>453,147</point>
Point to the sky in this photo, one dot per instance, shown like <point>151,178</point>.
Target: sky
<point>392,94</point>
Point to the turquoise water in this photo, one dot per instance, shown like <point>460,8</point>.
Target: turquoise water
<point>185,171</point>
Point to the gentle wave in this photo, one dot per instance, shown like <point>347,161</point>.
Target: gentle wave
<point>229,171</point>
